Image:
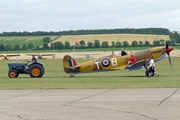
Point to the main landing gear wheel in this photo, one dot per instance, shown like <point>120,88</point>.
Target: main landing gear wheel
<point>13,74</point>
<point>147,73</point>
<point>36,71</point>
<point>72,75</point>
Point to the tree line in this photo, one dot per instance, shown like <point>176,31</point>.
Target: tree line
<point>105,44</point>
<point>95,44</point>
<point>156,31</point>
<point>174,36</point>
<point>9,47</point>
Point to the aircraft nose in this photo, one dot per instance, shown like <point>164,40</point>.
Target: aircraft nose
<point>169,49</point>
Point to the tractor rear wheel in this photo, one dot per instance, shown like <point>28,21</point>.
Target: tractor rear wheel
<point>13,74</point>
<point>36,70</point>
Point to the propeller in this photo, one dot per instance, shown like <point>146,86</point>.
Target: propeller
<point>168,49</point>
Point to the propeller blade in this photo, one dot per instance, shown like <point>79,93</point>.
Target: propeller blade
<point>169,59</point>
<point>167,46</point>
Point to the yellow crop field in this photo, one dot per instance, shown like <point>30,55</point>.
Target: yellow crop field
<point>36,40</point>
<point>9,38</point>
<point>112,37</point>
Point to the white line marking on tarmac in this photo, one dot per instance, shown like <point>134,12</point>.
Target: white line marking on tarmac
<point>6,106</point>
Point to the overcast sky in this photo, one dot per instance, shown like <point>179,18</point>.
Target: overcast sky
<point>60,15</point>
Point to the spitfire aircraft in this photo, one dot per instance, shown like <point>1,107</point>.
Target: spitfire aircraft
<point>5,57</point>
<point>117,62</point>
<point>40,56</point>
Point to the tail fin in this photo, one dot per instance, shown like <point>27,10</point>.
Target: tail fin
<point>70,65</point>
<point>69,61</point>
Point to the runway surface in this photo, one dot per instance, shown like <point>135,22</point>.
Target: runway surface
<point>90,104</point>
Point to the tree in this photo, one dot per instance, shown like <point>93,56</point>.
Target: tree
<point>67,45</point>
<point>175,36</point>
<point>96,44</point>
<point>140,43</point>
<point>104,44</point>
<point>82,43</point>
<point>45,46</point>
<point>156,42</point>
<point>46,39</point>
<point>112,43</point>
<point>90,44</point>
<point>8,47</point>
<point>2,47</point>
<point>24,46</point>
<point>30,45</point>
<point>37,47</point>
<point>134,43</point>
<point>16,47</point>
<point>161,41</point>
<point>59,45</point>
<point>125,44</point>
<point>170,42</point>
<point>118,44</point>
<point>147,43</point>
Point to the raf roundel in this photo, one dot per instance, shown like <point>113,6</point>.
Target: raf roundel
<point>105,62</point>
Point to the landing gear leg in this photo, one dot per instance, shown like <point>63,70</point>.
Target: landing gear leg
<point>147,70</point>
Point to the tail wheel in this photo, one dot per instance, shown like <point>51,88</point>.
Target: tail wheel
<point>13,74</point>
<point>36,70</point>
<point>72,75</point>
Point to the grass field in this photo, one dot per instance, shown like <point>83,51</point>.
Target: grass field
<point>55,78</point>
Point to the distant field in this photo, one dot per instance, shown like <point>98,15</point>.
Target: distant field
<point>112,37</point>
<point>36,40</point>
<point>56,78</point>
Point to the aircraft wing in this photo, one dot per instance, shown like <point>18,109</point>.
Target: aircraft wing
<point>32,54</point>
<point>40,54</point>
<point>11,55</point>
<point>138,65</point>
<point>88,54</point>
<point>8,55</point>
<point>96,54</point>
<point>80,54</point>
<point>141,63</point>
<point>47,54</point>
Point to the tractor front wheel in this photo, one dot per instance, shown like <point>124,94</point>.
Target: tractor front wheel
<point>36,70</point>
<point>13,74</point>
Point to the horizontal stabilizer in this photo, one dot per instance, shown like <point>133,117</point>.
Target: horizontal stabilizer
<point>75,67</point>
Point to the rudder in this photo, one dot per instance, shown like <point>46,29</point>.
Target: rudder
<point>69,64</point>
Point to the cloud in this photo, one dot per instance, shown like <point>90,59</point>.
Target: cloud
<point>58,15</point>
